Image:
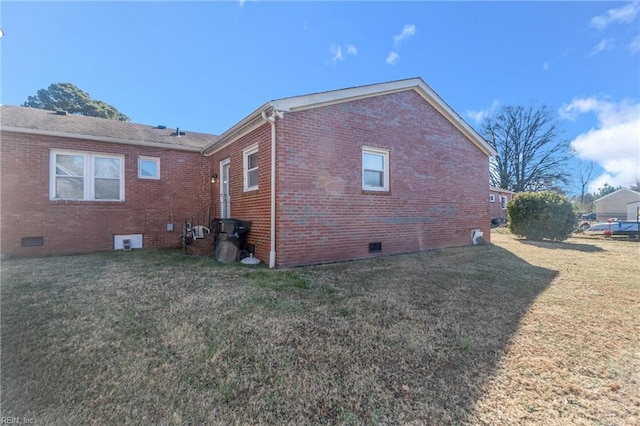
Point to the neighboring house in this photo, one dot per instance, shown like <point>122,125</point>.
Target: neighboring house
<point>73,184</point>
<point>614,205</point>
<point>347,174</point>
<point>498,199</point>
<point>633,211</point>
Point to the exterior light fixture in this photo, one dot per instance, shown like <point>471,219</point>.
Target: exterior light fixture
<point>214,177</point>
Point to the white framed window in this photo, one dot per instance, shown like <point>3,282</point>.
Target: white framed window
<point>86,176</point>
<point>375,169</point>
<point>250,167</point>
<point>148,167</point>
<point>492,198</point>
<point>503,202</point>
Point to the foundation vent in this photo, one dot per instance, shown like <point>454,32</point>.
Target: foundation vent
<point>32,241</point>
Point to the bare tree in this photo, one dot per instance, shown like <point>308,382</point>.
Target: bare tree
<point>531,155</point>
<point>584,173</point>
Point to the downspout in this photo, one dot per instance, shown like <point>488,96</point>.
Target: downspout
<point>272,121</point>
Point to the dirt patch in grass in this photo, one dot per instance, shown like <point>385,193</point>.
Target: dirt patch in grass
<point>507,333</point>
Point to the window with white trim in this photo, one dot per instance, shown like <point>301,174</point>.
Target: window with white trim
<point>492,198</point>
<point>375,169</point>
<point>503,202</point>
<point>250,160</point>
<point>86,176</point>
<point>148,167</point>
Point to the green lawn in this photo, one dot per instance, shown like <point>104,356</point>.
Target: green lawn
<point>508,333</point>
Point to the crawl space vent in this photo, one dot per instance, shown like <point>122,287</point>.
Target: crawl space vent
<point>32,241</point>
<point>127,242</point>
<point>375,247</point>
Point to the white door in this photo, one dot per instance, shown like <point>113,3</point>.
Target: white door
<point>225,195</point>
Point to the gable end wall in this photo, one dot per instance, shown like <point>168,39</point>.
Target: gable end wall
<point>438,181</point>
<point>615,205</point>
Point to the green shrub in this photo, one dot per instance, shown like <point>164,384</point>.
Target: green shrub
<point>541,216</point>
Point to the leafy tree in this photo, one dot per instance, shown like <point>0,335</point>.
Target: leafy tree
<point>67,97</point>
<point>544,215</point>
<point>605,190</point>
<point>531,155</point>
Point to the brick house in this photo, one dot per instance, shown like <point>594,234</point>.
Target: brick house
<point>347,174</point>
<point>498,199</point>
<point>353,173</point>
<point>74,184</point>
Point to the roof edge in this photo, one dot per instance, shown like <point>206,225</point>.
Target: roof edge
<point>316,100</point>
<point>26,130</point>
<point>615,192</point>
<point>321,99</point>
<point>496,189</point>
<point>235,132</point>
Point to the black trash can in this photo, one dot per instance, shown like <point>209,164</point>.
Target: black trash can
<point>230,239</point>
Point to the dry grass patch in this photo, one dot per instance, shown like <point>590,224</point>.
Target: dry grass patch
<point>505,333</point>
<point>576,356</point>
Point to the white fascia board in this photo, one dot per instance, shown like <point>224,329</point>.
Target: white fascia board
<point>496,189</point>
<point>99,138</point>
<point>438,103</point>
<point>241,128</point>
<point>317,100</point>
<point>300,103</point>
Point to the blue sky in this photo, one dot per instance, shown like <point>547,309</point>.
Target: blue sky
<point>203,66</point>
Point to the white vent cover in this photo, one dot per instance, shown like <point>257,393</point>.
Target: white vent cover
<point>135,239</point>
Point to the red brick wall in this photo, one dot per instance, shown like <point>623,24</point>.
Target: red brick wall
<point>86,226</point>
<point>495,208</point>
<point>254,206</point>
<point>438,181</point>
<point>438,188</point>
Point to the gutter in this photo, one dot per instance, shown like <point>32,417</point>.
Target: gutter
<point>271,119</point>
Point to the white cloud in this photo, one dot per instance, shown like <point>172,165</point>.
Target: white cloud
<point>578,106</point>
<point>338,55</point>
<point>408,31</point>
<point>242,2</point>
<point>605,44</point>
<point>634,46</point>
<point>478,116</point>
<point>625,14</point>
<point>393,58</point>
<point>614,143</point>
<point>545,66</point>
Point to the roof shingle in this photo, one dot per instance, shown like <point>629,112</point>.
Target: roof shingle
<point>42,121</point>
